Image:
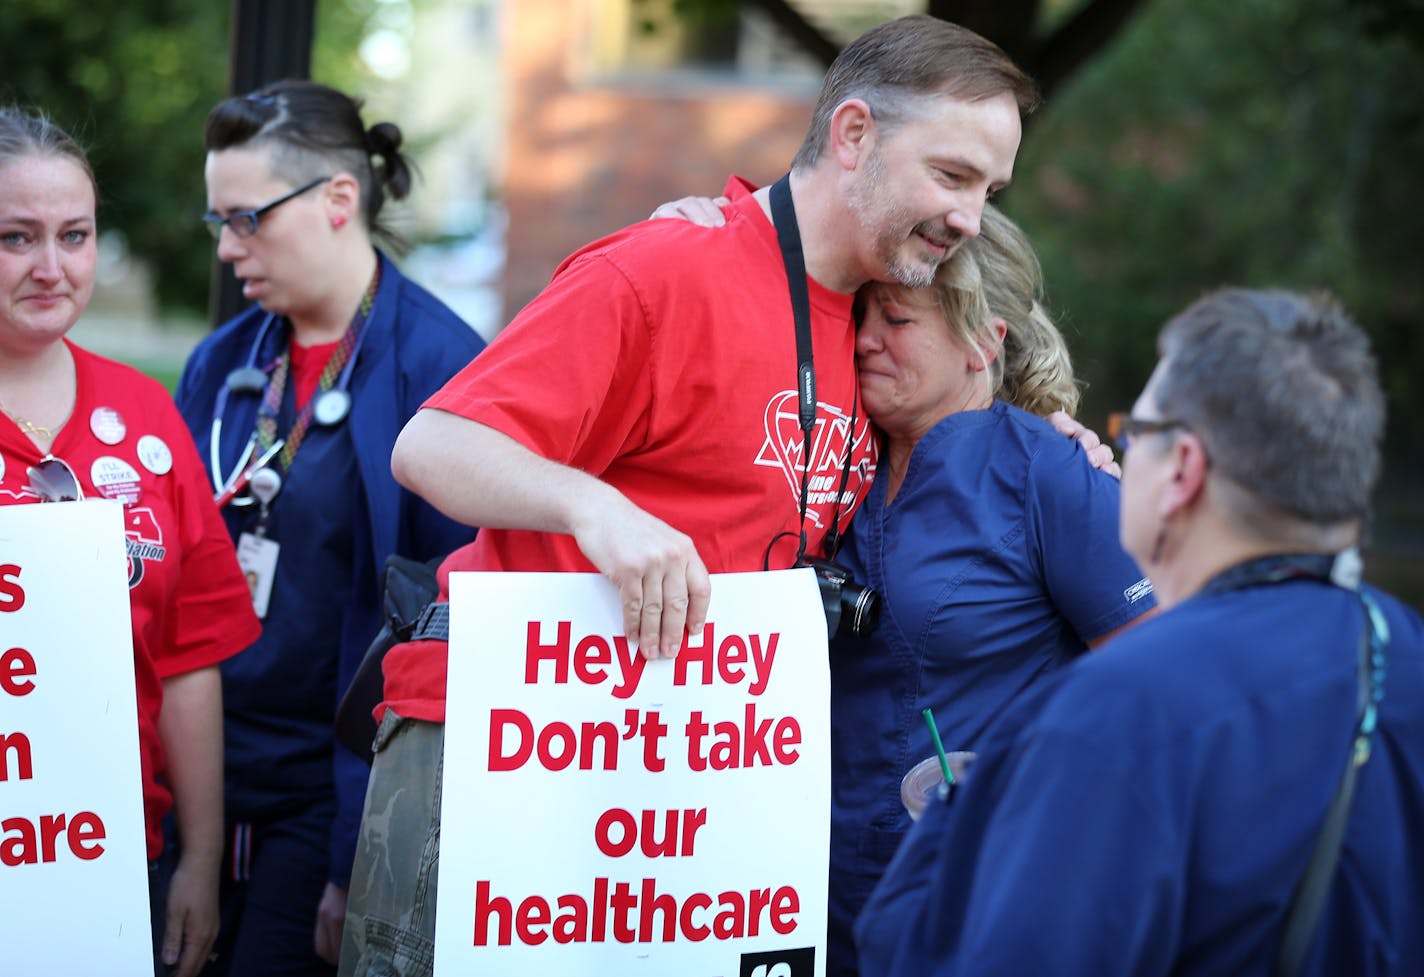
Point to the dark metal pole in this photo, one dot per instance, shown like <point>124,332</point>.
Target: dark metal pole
<point>270,40</point>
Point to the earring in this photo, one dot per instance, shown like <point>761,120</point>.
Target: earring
<point>338,222</point>
<point>1159,544</point>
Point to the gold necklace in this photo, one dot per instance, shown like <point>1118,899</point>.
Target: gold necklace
<point>29,427</point>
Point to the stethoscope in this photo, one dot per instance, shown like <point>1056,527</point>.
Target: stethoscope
<point>330,408</point>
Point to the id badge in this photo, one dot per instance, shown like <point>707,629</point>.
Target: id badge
<point>257,555</point>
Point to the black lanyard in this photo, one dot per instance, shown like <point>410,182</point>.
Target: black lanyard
<point>788,236</point>
<point>1342,570</point>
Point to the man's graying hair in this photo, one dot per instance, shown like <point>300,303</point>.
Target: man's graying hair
<point>902,61</point>
<point>1283,391</point>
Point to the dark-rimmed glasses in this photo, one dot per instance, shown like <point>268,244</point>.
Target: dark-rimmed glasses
<point>1123,428</point>
<point>244,223</point>
<point>52,480</point>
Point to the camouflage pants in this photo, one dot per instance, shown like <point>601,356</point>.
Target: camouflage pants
<point>390,912</point>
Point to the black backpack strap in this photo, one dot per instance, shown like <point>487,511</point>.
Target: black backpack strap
<point>409,588</point>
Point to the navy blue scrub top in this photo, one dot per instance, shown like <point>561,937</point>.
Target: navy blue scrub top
<point>997,561</point>
<point>1149,810</point>
<point>278,739</point>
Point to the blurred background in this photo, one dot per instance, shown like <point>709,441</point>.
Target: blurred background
<point>1184,144</point>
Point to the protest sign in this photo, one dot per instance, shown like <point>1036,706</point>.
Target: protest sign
<point>73,865</point>
<point>605,814</point>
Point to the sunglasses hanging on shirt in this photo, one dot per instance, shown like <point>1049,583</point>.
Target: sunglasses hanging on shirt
<point>52,480</point>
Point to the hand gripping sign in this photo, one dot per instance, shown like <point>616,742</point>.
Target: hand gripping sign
<point>73,870</point>
<point>606,814</point>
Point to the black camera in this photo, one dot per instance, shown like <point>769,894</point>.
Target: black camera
<point>850,608</point>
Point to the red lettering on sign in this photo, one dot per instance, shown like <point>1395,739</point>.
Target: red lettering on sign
<point>618,831</point>
<point>512,742</point>
<point>16,665</point>
<point>627,912</point>
<point>29,843</point>
<point>594,660</point>
<point>751,744</point>
<point>19,744</point>
<point>12,595</point>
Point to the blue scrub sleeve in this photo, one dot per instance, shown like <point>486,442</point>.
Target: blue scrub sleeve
<point>1072,509</point>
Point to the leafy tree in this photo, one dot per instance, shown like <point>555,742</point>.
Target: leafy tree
<point>1256,142</point>
<point>132,82</point>
<point>1252,142</point>
<point>1051,39</point>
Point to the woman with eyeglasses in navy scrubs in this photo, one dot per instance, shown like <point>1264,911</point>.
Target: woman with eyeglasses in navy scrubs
<point>75,425</point>
<point>295,405</point>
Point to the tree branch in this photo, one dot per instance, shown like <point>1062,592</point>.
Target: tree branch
<point>1056,57</point>
<point>1008,23</point>
<point>807,35</point>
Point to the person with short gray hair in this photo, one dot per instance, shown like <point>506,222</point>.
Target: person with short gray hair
<point>1235,786</point>
<point>1282,390</point>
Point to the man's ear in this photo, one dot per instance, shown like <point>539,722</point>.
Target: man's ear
<point>852,132</point>
<point>1189,474</point>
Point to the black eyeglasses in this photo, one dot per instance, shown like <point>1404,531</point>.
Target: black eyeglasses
<point>54,481</point>
<point>244,222</point>
<point>1123,428</point>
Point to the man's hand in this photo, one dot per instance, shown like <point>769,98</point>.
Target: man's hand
<point>482,477</point>
<point>330,923</point>
<point>1101,455</point>
<point>662,583</point>
<point>705,211</point>
<point>191,924</point>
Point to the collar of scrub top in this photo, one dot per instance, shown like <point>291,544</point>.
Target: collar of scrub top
<point>329,409</point>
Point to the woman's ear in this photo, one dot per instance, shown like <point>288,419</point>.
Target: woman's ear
<point>989,350</point>
<point>342,198</point>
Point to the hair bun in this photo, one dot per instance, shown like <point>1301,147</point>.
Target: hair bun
<point>383,139</point>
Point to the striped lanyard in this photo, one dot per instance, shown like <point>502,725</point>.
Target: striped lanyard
<point>277,385</point>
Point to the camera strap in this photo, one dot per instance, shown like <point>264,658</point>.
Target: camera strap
<point>1342,570</point>
<point>788,237</point>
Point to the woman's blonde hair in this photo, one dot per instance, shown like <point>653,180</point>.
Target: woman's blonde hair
<point>997,276</point>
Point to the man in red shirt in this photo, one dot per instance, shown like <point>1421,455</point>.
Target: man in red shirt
<point>640,417</point>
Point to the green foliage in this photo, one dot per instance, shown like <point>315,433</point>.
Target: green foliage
<point>1252,142</point>
<point>340,27</point>
<point>132,82</point>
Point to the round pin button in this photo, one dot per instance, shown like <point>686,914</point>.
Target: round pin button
<point>154,454</point>
<point>108,425</point>
<point>116,479</point>
<point>331,407</point>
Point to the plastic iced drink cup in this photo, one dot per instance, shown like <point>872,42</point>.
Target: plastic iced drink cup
<point>925,781</point>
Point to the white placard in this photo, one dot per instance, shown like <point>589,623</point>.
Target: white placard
<point>73,860</point>
<point>603,814</point>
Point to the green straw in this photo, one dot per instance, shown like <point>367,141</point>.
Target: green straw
<point>939,747</point>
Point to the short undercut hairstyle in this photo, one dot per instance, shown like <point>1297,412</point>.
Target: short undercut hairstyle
<point>1284,392</point>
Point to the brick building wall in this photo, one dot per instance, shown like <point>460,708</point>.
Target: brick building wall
<point>589,153</point>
